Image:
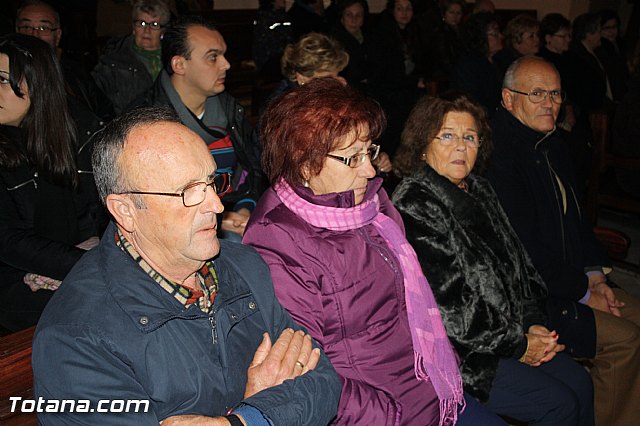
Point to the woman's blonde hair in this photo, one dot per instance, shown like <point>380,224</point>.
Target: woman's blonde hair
<point>313,53</point>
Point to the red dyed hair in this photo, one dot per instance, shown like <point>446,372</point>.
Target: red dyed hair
<point>305,124</point>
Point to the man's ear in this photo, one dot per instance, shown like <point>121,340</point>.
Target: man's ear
<point>507,99</point>
<point>123,211</point>
<point>178,64</point>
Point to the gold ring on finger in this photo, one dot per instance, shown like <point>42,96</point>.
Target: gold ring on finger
<point>299,364</point>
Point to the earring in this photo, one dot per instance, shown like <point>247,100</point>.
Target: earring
<point>305,183</point>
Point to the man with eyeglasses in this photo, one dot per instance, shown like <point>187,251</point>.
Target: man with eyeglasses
<point>532,174</point>
<point>89,106</point>
<point>130,65</point>
<point>164,313</point>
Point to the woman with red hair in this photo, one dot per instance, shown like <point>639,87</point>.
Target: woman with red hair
<point>342,266</point>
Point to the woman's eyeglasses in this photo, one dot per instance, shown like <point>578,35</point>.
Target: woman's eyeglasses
<point>470,140</point>
<point>358,159</point>
<point>155,25</point>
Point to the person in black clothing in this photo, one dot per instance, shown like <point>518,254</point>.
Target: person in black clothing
<point>612,55</point>
<point>521,39</point>
<point>588,84</point>
<point>475,72</point>
<point>349,32</point>
<point>588,88</point>
<point>533,176</point>
<point>395,81</point>
<point>271,33</point>
<point>555,34</point>
<point>307,16</point>
<point>446,43</point>
<point>48,201</point>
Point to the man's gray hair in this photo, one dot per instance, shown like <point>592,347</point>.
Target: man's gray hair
<point>107,168</point>
<point>509,81</point>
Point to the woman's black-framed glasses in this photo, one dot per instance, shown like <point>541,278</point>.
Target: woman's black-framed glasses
<point>195,193</point>
<point>358,159</point>
<point>154,25</point>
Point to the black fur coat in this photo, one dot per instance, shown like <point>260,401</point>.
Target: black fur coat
<point>484,282</point>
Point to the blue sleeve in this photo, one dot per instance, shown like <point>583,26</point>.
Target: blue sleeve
<point>252,416</point>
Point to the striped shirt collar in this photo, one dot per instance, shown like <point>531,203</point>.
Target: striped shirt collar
<point>206,276</point>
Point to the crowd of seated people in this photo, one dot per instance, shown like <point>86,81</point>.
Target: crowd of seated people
<point>273,252</point>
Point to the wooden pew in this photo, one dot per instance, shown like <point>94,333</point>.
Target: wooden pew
<point>16,376</point>
<point>603,190</point>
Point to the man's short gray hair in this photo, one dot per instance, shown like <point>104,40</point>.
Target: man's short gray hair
<point>509,81</point>
<point>107,169</point>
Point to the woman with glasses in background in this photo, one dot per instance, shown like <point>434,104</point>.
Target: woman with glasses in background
<point>49,210</point>
<point>130,65</point>
<point>490,296</point>
<point>342,267</point>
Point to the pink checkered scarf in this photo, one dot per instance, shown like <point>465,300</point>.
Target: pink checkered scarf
<point>433,354</point>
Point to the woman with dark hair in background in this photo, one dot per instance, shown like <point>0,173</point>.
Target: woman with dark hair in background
<point>46,185</point>
<point>490,296</point>
<point>555,35</point>
<point>475,72</point>
<point>272,31</point>
<point>342,267</point>
<point>395,81</point>
<point>612,53</point>
<point>446,43</point>
<point>350,33</point>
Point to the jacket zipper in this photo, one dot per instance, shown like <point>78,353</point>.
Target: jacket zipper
<point>553,185</point>
<point>559,202</point>
<point>214,331</point>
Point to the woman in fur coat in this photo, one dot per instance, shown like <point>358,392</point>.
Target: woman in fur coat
<point>490,296</point>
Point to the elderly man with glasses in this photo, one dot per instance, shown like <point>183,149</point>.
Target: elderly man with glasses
<point>40,19</point>
<point>130,65</point>
<point>533,176</point>
<point>165,316</point>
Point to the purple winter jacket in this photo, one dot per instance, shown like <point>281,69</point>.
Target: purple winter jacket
<point>346,288</point>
